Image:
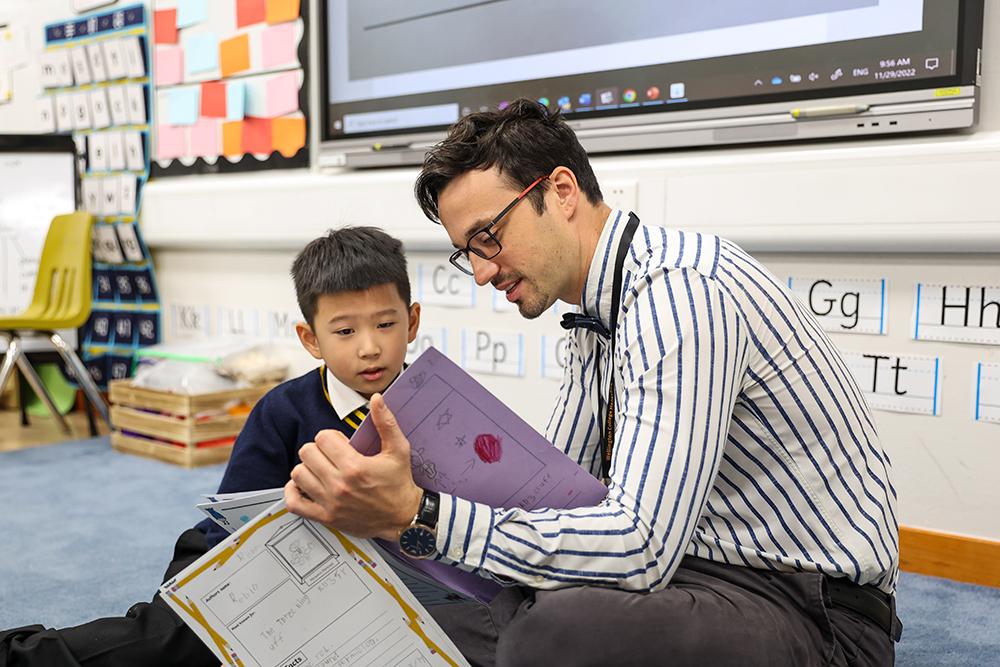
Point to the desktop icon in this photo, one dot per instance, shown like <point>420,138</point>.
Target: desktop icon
<point>836,74</point>
<point>585,99</point>
<point>607,96</point>
<point>776,81</point>
<point>629,96</point>
<point>758,82</point>
<point>503,105</point>
<point>932,63</point>
<point>652,93</point>
<point>676,91</point>
<point>564,103</point>
<point>795,78</point>
<point>813,76</point>
<point>544,101</point>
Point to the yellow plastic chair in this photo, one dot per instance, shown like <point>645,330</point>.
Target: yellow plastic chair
<point>61,301</point>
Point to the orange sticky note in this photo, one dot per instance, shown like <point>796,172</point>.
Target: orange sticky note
<point>165,26</point>
<point>289,135</point>
<point>281,11</point>
<point>213,99</point>
<point>248,12</point>
<point>234,55</point>
<point>257,135</point>
<point>232,138</point>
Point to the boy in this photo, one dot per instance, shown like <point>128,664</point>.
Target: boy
<point>354,293</point>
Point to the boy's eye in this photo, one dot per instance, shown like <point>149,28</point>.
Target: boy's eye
<point>344,332</point>
<point>386,325</point>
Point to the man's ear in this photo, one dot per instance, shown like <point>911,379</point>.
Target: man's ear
<point>411,332</point>
<point>308,339</point>
<point>563,183</point>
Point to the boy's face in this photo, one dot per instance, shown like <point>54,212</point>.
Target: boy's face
<point>362,336</point>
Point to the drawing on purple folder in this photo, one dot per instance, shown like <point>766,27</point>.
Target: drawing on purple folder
<point>488,448</point>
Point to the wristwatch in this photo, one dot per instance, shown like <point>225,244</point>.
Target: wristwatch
<point>419,539</point>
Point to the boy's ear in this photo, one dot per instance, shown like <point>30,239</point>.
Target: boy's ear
<point>308,339</point>
<point>411,332</point>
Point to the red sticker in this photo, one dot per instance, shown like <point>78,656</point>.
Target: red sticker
<point>488,448</point>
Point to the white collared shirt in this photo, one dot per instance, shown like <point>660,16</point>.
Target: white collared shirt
<point>343,399</point>
<point>740,435</point>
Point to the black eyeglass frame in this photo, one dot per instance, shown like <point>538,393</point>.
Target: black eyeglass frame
<point>456,256</point>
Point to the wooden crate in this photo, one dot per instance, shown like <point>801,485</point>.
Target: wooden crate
<point>176,427</point>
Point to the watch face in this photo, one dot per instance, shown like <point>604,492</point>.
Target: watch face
<point>418,542</point>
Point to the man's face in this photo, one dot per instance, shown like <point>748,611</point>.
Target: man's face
<point>362,336</point>
<point>531,267</point>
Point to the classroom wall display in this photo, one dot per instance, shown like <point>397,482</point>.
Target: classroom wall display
<point>95,74</point>
<point>231,91</point>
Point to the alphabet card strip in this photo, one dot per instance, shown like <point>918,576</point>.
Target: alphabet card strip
<point>441,284</point>
<point>988,393</point>
<point>957,313</point>
<point>844,305</point>
<point>897,383</point>
<point>493,352</point>
<point>429,337</point>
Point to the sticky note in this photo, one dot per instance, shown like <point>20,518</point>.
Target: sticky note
<point>201,52</point>
<point>278,45</point>
<point>235,100</point>
<point>249,12</point>
<point>232,138</point>
<point>235,55</point>
<point>281,11</point>
<point>282,94</point>
<point>257,135</point>
<point>288,135</point>
<point>183,105</point>
<point>169,65</point>
<point>213,99</point>
<point>165,26</point>
<point>170,142</point>
<point>256,97</point>
<point>205,138</point>
<point>190,12</point>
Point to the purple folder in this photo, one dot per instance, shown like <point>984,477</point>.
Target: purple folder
<point>467,443</point>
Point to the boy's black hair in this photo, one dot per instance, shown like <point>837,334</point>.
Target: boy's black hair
<point>349,259</point>
<point>524,141</point>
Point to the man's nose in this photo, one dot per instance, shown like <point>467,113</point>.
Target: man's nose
<point>483,270</point>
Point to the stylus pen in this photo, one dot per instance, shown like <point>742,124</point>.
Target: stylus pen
<point>820,112</point>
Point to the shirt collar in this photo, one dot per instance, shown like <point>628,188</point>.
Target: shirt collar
<point>596,297</point>
<point>343,399</point>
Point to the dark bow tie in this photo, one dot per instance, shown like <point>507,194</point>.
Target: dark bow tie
<point>577,320</point>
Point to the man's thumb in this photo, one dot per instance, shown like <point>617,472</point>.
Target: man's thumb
<point>388,428</point>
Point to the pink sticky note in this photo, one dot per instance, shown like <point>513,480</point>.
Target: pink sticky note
<point>170,142</point>
<point>278,45</point>
<point>206,138</point>
<point>282,94</point>
<point>168,65</point>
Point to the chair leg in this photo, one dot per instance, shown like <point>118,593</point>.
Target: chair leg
<point>13,351</point>
<point>82,376</point>
<point>36,384</point>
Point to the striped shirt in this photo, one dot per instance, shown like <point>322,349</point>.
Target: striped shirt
<point>740,437</point>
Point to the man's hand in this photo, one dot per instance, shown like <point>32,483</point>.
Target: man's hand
<point>366,496</point>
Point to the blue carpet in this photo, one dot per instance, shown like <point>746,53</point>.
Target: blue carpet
<point>89,531</point>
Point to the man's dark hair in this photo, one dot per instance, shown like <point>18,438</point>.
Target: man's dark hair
<point>524,141</point>
<point>350,259</point>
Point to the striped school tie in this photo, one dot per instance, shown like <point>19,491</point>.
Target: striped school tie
<point>355,418</point>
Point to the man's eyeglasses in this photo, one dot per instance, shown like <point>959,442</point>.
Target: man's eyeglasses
<point>483,242</point>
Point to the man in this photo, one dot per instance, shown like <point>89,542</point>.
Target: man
<point>750,517</point>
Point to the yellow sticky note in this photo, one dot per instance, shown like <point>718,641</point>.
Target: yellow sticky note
<point>232,138</point>
<point>282,11</point>
<point>288,135</point>
<point>947,92</point>
<point>234,55</point>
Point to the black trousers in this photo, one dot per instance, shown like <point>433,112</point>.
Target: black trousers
<point>710,614</point>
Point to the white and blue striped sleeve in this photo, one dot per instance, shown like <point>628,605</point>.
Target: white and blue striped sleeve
<point>572,426</point>
<point>682,356</point>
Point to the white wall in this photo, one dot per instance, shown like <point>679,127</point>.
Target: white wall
<point>910,210</point>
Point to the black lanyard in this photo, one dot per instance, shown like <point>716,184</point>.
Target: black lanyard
<point>616,291</point>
